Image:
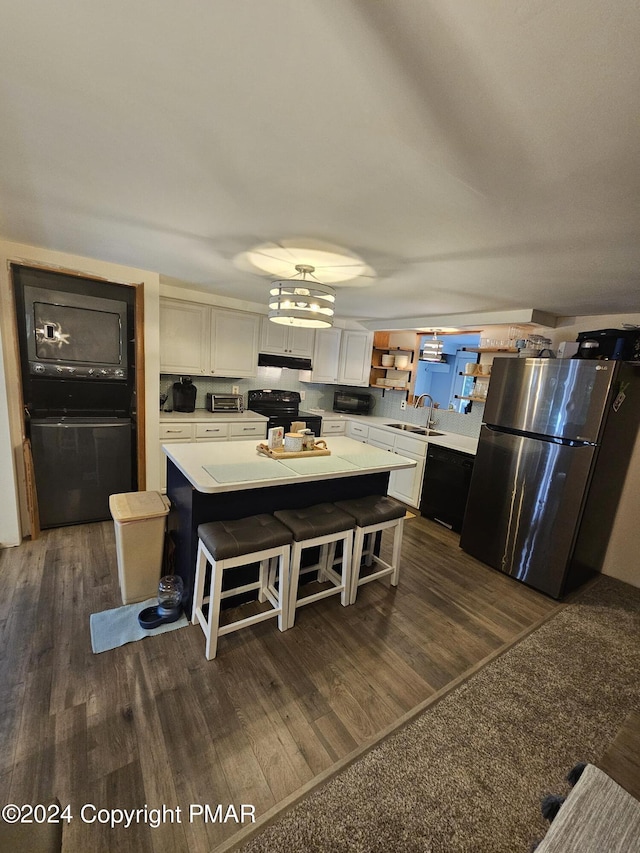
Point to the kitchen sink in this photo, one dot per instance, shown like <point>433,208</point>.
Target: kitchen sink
<point>411,428</point>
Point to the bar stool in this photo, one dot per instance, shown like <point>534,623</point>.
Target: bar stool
<point>322,525</point>
<point>240,542</point>
<point>373,513</point>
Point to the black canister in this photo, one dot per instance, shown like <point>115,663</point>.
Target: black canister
<point>184,395</point>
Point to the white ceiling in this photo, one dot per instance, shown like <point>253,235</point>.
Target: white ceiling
<point>480,155</point>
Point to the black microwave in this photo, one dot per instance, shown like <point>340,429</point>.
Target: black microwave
<point>352,403</point>
<point>613,344</point>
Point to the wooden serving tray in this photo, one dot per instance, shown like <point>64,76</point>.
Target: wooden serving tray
<point>281,453</point>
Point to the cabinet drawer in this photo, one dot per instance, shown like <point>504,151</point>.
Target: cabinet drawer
<point>259,430</point>
<point>359,431</point>
<point>211,431</point>
<point>333,427</point>
<point>173,431</point>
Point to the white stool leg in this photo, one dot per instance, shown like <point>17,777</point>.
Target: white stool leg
<point>215,597</point>
<point>283,589</point>
<point>347,568</point>
<point>198,587</point>
<point>370,539</point>
<point>263,578</point>
<point>294,575</point>
<point>397,547</point>
<point>358,544</point>
<point>325,558</point>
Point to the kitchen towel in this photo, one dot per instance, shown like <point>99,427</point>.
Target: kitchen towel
<point>113,628</point>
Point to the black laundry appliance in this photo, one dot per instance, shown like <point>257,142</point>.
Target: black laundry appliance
<point>77,354</point>
<point>282,408</point>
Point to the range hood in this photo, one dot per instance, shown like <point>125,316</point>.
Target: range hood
<point>267,359</point>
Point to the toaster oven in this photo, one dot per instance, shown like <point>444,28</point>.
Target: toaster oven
<point>224,403</point>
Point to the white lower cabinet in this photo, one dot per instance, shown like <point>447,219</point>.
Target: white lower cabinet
<point>406,483</point>
<point>211,432</point>
<point>185,433</point>
<point>358,431</point>
<point>380,438</point>
<point>337,427</point>
<point>253,430</point>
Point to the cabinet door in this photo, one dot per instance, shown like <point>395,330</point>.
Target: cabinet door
<point>273,337</point>
<point>355,358</point>
<point>301,341</point>
<point>381,438</point>
<point>234,343</point>
<point>184,335</point>
<point>406,483</point>
<point>279,339</point>
<point>326,356</point>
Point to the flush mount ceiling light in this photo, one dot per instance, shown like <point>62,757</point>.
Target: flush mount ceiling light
<point>302,302</point>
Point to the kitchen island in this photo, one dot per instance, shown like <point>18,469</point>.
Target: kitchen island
<point>229,479</point>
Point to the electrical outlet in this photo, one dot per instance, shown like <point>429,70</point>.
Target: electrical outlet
<point>403,404</point>
<point>303,394</point>
<point>235,389</point>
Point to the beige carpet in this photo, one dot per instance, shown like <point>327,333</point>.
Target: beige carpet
<point>469,773</point>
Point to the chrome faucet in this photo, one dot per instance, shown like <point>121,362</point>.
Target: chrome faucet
<point>420,402</point>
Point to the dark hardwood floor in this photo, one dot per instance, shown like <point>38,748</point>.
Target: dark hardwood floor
<point>154,724</point>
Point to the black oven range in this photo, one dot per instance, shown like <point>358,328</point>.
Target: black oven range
<point>282,408</point>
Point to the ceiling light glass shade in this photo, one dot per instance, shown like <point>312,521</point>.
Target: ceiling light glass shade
<point>301,303</point>
<point>431,350</point>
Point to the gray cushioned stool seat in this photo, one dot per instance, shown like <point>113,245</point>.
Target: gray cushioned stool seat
<point>319,520</point>
<point>372,509</point>
<point>224,539</point>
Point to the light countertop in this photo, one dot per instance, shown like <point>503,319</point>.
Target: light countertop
<point>225,466</point>
<point>452,440</point>
<point>204,416</point>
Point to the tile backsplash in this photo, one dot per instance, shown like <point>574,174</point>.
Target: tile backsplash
<point>387,403</point>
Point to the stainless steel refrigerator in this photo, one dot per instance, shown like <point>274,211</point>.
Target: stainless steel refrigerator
<point>552,458</point>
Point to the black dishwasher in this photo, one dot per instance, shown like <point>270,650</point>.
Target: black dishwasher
<point>447,475</point>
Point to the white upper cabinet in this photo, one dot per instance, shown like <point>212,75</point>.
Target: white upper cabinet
<point>184,337</point>
<point>342,357</point>
<point>355,358</point>
<point>326,356</point>
<point>202,340</point>
<point>234,343</point>
<point>279,339</point>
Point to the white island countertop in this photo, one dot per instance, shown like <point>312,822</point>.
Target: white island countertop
<point>226,466</point>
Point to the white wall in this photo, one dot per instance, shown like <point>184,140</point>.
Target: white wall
<point>12,509</point>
